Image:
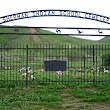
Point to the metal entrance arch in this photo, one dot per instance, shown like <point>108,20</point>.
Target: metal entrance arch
<point>77,31</point>
<point>58,13</point>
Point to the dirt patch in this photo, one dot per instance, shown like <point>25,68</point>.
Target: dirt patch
<point>31,30</point>
<point>34,38</point>
<point>90,89</point>
<point>71,103</point>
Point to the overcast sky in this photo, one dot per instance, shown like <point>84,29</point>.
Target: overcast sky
<point>93,6</point>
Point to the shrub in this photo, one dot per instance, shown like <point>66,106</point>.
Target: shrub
<point>106,60</point>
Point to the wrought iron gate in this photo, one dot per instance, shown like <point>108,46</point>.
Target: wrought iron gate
<point>82,63</point>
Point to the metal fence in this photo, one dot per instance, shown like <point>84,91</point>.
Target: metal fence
<point>55,63</point>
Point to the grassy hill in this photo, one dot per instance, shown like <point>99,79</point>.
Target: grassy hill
<point>105,39</point>
<point>10,39</point>
<point>41,39</point>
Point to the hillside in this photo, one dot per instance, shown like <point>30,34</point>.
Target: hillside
<point>105,39</point>
<point>40,39</point>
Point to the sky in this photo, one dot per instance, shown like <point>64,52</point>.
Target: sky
<point>93,6</point>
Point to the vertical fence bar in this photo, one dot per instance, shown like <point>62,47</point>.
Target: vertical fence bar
<point>62,60</point>
<point>52,55</point>
<point>49,55</point>
<point>5,66</point>
<point>42,59</point>
<point>21,55</point>
<point>1,62</point>
<point>4,63</point>
<point>84,64</point>
<point>87,61</point>
<point>74,59</point>
<point>100,60</point>
<point>104,65</point>
<point>16,64</point>
<point>93,66</point>
<point>105,78</point>
<point>71,60</point>
<point>9,62</point>
<point>84,58</point>
<point>26,66</point>
<point>81,66</point>
<point>67,55</point>
<point>96,63</point>
<point>78,58</point>
<point>109,63</point>
<point>46,53</point>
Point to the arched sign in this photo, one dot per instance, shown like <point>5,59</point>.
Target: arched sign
<point>63,13</point>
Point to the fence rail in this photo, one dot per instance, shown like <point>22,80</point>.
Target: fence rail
<point>51,63</point>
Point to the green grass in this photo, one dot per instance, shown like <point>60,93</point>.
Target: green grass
<point>39,96</point>
<point>93,94</point>
<point>47,97</point>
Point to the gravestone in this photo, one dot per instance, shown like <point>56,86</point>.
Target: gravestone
<point>55,65</point>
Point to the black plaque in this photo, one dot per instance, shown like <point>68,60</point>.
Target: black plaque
<point>55,65</point>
